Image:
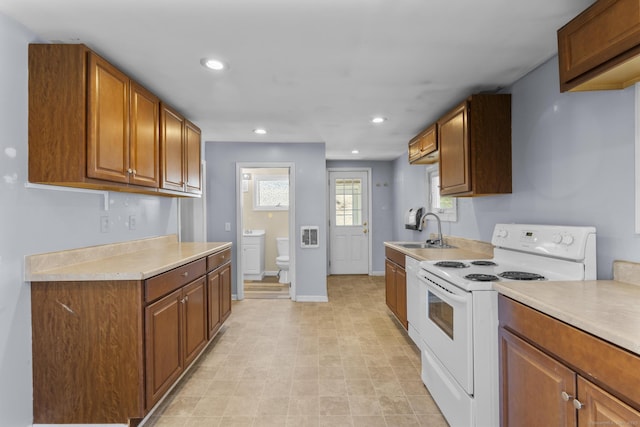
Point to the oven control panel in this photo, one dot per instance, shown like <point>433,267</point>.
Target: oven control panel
<point>558,241</point>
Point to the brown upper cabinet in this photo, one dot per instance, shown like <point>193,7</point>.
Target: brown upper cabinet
<point>180,142</point>
<point>423,148</point>
<point>91,126</point>
<point>475,147</point>
<point>600,48</point>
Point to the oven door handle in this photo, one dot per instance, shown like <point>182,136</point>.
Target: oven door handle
<point>446,295</point>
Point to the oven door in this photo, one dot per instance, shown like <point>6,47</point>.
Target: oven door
<point>448,327</point>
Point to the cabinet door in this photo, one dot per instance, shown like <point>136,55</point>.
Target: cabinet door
<point>603,36</point>
<point>251,259</point>
<point>108,122</point>
<point>401,296</point>
<point>424,144</point>
<point>454,152</point>
<point>192,158</point>
<point>171,149</point>
<point>195,319</point>
<point>213,295</point>
<point>164,359</point>
<point>531,386</point>
<point>144,150</point>
<point>391,292</point>
<point>601,408</point>
<point>225,292</point>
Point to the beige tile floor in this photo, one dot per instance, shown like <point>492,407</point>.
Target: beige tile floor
<point>280,363</point>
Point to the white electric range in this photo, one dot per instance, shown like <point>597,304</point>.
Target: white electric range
<point>459,324</point>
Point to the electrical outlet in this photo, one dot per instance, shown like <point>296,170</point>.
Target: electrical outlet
<point>132,222</point>
<point>227,226</point>
<point>104,224</point>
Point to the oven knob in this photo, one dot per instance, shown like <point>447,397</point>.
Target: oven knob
<point>556,238</point>
<point>502,233</point>
<point>567,239</point>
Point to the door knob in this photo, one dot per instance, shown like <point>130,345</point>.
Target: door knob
<point>365,231</point>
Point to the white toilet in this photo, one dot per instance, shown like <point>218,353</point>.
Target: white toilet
<point>282,260</point>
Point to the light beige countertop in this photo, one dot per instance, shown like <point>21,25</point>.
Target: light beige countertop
<point>608,309</point>
<point>135,260</point>
<point>464,249</point>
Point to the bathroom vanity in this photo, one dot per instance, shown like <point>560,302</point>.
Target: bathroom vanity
<point>253,254</point>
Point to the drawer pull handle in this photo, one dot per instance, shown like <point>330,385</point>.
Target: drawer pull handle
<point>185,274</point>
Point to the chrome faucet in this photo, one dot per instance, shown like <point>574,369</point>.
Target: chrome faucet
<point>440,241</point>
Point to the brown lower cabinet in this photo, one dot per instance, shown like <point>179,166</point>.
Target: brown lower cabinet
<point>396,284</point>
<point>176,333</point>
<point>553,374</point>
<point>108,351</point>
<point>219,294</point>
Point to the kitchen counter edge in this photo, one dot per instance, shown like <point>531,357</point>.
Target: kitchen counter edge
<point>136,260</point>
<point>603,308</point>
<point>464,249</point>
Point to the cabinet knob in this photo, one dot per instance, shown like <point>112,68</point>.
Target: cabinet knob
<point>129,171</point>
<point>577,404</point>
<point>185,274</point>
<point>566,397</point>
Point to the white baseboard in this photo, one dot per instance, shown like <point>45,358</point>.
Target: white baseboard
<point>377,273</point>
<point>311,298</point>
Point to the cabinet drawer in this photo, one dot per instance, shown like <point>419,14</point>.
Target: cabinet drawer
<point>217,259</point>
<point>164,283</point>
<point>395,256</point>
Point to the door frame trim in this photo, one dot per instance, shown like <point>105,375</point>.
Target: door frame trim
<point>292,223</point>
<point>369,208</point>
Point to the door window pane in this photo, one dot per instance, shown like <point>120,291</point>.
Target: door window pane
<point>348,202</point>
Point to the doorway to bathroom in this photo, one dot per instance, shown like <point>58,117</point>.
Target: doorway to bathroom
<point>265,255</point>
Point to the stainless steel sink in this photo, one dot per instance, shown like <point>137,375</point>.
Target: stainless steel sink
<point>416,245</point>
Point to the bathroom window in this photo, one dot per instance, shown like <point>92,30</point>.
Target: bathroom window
<point>348,202</point>
<point>271,192</point>
<point>444,206</point>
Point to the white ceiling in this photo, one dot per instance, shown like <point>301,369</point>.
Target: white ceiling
<point>311,70</point>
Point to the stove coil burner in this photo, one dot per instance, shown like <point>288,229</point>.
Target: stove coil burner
<point>483,263</point>
<point>521,275</point>
<point>451,264</point>
<point>481,277</point>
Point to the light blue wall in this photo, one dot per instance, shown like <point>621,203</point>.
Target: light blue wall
<point>381,203</point>
<point>573,164</point>
<point>36,221</point>
<point>310,205</point>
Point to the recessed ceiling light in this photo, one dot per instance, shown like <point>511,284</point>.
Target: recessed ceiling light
<point>260,131</point>
<point>213,64</point>
<point>378,120</point>
<point>355,151</point>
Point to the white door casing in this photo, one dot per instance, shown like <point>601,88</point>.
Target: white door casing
<point>239,264</point>
<point>349,222</point>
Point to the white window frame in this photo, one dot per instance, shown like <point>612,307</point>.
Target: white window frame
<point>433,197</point>
<point>256,192</point>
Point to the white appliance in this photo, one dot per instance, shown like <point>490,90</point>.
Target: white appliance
<point>459,322</point>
